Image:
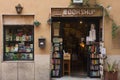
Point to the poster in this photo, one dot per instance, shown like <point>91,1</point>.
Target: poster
<point>56,27</point>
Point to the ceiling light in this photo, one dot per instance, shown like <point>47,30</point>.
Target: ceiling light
<point>81,22</point>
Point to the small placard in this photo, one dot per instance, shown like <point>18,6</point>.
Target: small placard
<point>77,1</point>
<point>57,40</point>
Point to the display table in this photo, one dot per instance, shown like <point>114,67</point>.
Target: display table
<point>66,64</point>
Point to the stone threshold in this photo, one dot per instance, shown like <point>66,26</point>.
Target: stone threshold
<point>74,78</point>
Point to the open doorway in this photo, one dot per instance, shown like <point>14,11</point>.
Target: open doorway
<point>73,31</point>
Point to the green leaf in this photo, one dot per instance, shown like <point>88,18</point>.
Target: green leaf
<point>111,67</point>
<point>114,29</point>
<point>108,66</point>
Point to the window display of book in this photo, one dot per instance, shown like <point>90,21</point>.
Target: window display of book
<point>18,43</point>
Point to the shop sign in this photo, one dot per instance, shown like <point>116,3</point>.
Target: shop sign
<point>77,1</point>
<point>76,12</point>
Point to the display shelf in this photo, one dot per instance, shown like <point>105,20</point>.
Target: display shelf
<point>55,69</point>
<point>95,69</point>
<point>93,60</point>
<point>57,53</point>
<point>19,52</point>
<point>94,76</point>
<point>56,60</point>
<point>55,73</point>
<point>55,76</point>
<point>18,41</point>
<point>95,64</point>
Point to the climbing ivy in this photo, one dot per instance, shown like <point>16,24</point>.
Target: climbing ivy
<point>86,2</point>
<point>107,14</point>
<point>114,29</point>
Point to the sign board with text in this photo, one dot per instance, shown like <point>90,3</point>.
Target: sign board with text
<point>76,12</point>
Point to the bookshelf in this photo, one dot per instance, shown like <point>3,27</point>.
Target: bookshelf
<point>56,66</point>
<point>57,50</point>
<point>94,60</point>
<point>18,42</point>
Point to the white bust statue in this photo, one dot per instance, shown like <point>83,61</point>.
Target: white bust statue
<point>92,33</point>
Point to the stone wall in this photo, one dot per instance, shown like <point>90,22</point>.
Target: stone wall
<point>36,70</point>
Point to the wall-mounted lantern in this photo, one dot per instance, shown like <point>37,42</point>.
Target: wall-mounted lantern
<point>19,8</point>
<point>49,21</point>
<point>42,42</point>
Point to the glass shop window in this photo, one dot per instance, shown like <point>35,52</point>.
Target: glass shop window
<point>18,42</point>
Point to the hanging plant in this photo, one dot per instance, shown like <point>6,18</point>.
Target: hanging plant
<point>49,21</point>
<point>86,2</point>
<point>37,23</point>
<point>114,29</point>
<point>107,14</point>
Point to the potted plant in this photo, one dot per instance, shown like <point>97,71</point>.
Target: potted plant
<point>111,72</point>
<point>37,23</point>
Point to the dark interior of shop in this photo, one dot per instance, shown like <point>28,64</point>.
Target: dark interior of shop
<point>74,32</point>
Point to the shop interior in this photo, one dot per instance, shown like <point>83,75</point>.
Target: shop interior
<point>74,31</point>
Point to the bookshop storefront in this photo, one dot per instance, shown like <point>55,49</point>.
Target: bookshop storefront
<point>76,37</point>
